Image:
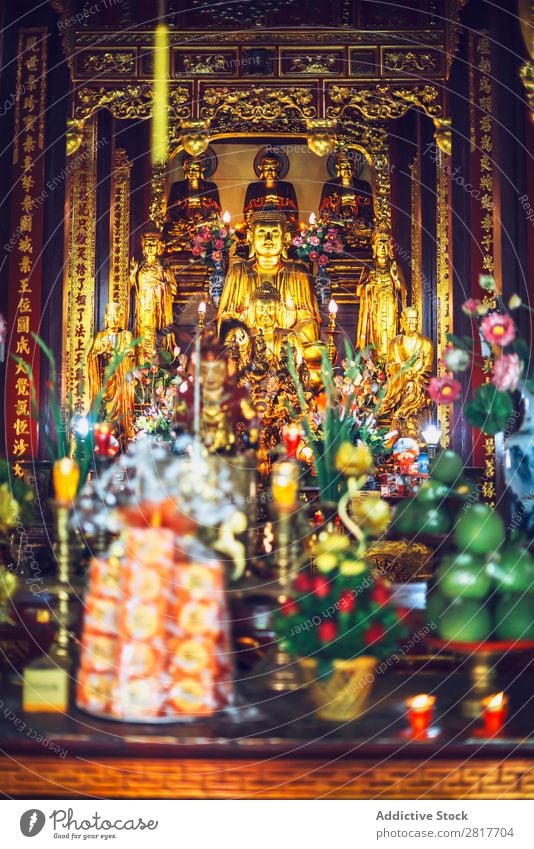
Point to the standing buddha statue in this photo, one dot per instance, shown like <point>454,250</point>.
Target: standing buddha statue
<point>155,289</point>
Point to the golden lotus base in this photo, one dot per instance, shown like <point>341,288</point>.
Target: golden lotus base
<point>341,696</point>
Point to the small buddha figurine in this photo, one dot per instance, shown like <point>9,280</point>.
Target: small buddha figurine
<point>118,398</point>
<point>155,289</point>
<point>409,366</point>
<point>379,298</point>
<point>297,310</point>
<point>346,198</point>
<point>193,198</point>
<point>271,192</point>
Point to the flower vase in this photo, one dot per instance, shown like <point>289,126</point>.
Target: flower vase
<point>519,469</point>
<point>323,288</point>
<point>342,695</point>
<point>216,283</point>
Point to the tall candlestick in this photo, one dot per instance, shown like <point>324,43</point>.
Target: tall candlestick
<point>160,113</point>
<point>332,314</point>
<point>201,317</point>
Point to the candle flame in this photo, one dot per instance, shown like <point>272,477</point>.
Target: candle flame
<point>202,307</point>
<point>495,702</point>
<point>422,702</point>
<point>332,307</point>
<point>226,217</point>
<point>313,219</point>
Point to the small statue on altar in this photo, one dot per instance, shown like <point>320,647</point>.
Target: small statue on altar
<point>118,397</point>
<point>409,366</point>
<point>270,191</point>
<point>379,297</point>
<point>228,420</point>
<point>296,310</point>
<point>191,201</point>
<point>155,289</point>
<point>349,201</point>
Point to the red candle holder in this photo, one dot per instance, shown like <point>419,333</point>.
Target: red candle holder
<point>494,713</point>
<point>420,713</point>
<point>292,437</point>
<point>102,438</point>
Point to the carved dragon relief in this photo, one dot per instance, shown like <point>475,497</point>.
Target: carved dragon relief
<point>383,102</point>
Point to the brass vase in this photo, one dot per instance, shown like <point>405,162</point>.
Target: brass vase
<point>342,695</point>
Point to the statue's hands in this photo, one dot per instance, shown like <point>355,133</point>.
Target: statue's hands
<point>134,268</point>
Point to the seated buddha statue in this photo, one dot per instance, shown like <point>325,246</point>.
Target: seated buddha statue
<point>191,201</point>
<point>348,200</point>
<point>409,365</point>
<point>271,192</point>
<point>296,310</point>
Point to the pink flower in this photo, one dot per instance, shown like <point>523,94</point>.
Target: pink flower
<point>470,307</point>
<point>498,329</point>
<point>444,390</point>
<point>218,244</point>
<point>314,256</point>
<point>332,233</point>
<point>338,247</point>
<point>328,247</point>
<point>197,239</point>
<point>3,328</point>
<point>506,372</point>
<point>216,256</point>
<point>314,240</point>
<point>322,260</point>
<point>297,241</point>
<point>223,232</point>
<point>205,234</point>
<point>196,250</point>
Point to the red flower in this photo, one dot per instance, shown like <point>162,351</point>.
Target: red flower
<point>320,586</point>
<point>322,260</point>
<point>470,307</point>
<point>381,594</point>
<point>498,329</point>
<point>289,607</point>
<point>347,602</point>
<point>444,390</point>
<point>303,583</point>
<point>327,632</point>
<point>374,634</point>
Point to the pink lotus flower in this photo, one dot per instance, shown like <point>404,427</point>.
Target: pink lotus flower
<point>328,247</point>
<point>297,241</point>
<point>314,256</point>
<point>196,250</point>
<point>506,372</point>
<point>218,244</point>
<point>216,256</point>
<point>314,240</point>
<point>444,390</point>
<point>471,305</point>
<point>498,329</point>
<point>322,260</point>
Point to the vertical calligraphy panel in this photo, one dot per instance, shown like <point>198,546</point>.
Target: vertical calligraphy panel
<point>26,244</point>
<point>119,277</point>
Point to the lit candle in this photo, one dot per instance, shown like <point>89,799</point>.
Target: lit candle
<point>420,712</point>
<point>201,316</point>
<point>285,486</point>
<point>65,479</point>
<point>102,438</point>
<point>313,219</point>
<point>160,110</point>
<point>268,538</point>
<point>291,436</point>
<point>494,711</point>
<point>332,309</point>
<point>226,218</point>
<point>332,313</point>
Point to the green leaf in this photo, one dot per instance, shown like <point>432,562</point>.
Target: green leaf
<point>489,410</point>
<point>465,343</point>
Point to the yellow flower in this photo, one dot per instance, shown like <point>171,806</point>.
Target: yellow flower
<point>326,562</point>
<point>371,513</point>
<point>354,460</point>
<point>9,510</point>
<point>514,303</point>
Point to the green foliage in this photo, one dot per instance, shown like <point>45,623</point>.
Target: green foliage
<point>490,409</point>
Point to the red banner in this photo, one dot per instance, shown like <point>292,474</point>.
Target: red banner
<point>25,244</point>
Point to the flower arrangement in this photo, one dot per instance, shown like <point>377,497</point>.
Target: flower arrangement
<point>212,240</point>
<point>340,611</point>
<point>344,413</point>
<point>507,355</point>
<point>318,243</point>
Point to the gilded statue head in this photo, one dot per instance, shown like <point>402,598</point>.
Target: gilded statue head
<point>410,320</point>
<point>382,246</point>
<point>266,299</point>
<point>270,168</point>
<point>194,169</point>
<point>344,167</point>
<point>151,243</point>
<point>268,234</point>
<point>113,319</point>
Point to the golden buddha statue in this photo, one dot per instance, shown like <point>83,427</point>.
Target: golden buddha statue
<point>271,191</point>
<point>379,298</point>
<point>191,201</point>
<point>409,366</point>
<point>155,289</point>
<point>347,198</point>
<point>297,310</point>
<point>118,398</point>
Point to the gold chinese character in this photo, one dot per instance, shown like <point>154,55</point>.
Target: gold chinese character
<point>20,446</point>
<point>25,224</point>
<point>27,182</point>
<point>29,103</point>
<point>485,162</point>
<point>31,63</point>
<point>487,222</point>
<point>485,85</point>
<point>488,489</point>
<point>488,263</point>
<point>20,368</point>
<point>23,324</point>
<point>25,305</point>
<point>25,245</point>
<point>28,163</point>
<point>28,121</point>
<point>22,386</point>
<point>24,287</point>
<point>485,104</point>
<point>486,182</point>
<point>17,470</point>
<point>28,145</point>
<point>25,265</point>
<point>23,345</point>
<point>27,203</point>
<point>21,426</point>
<point>21,407</point>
